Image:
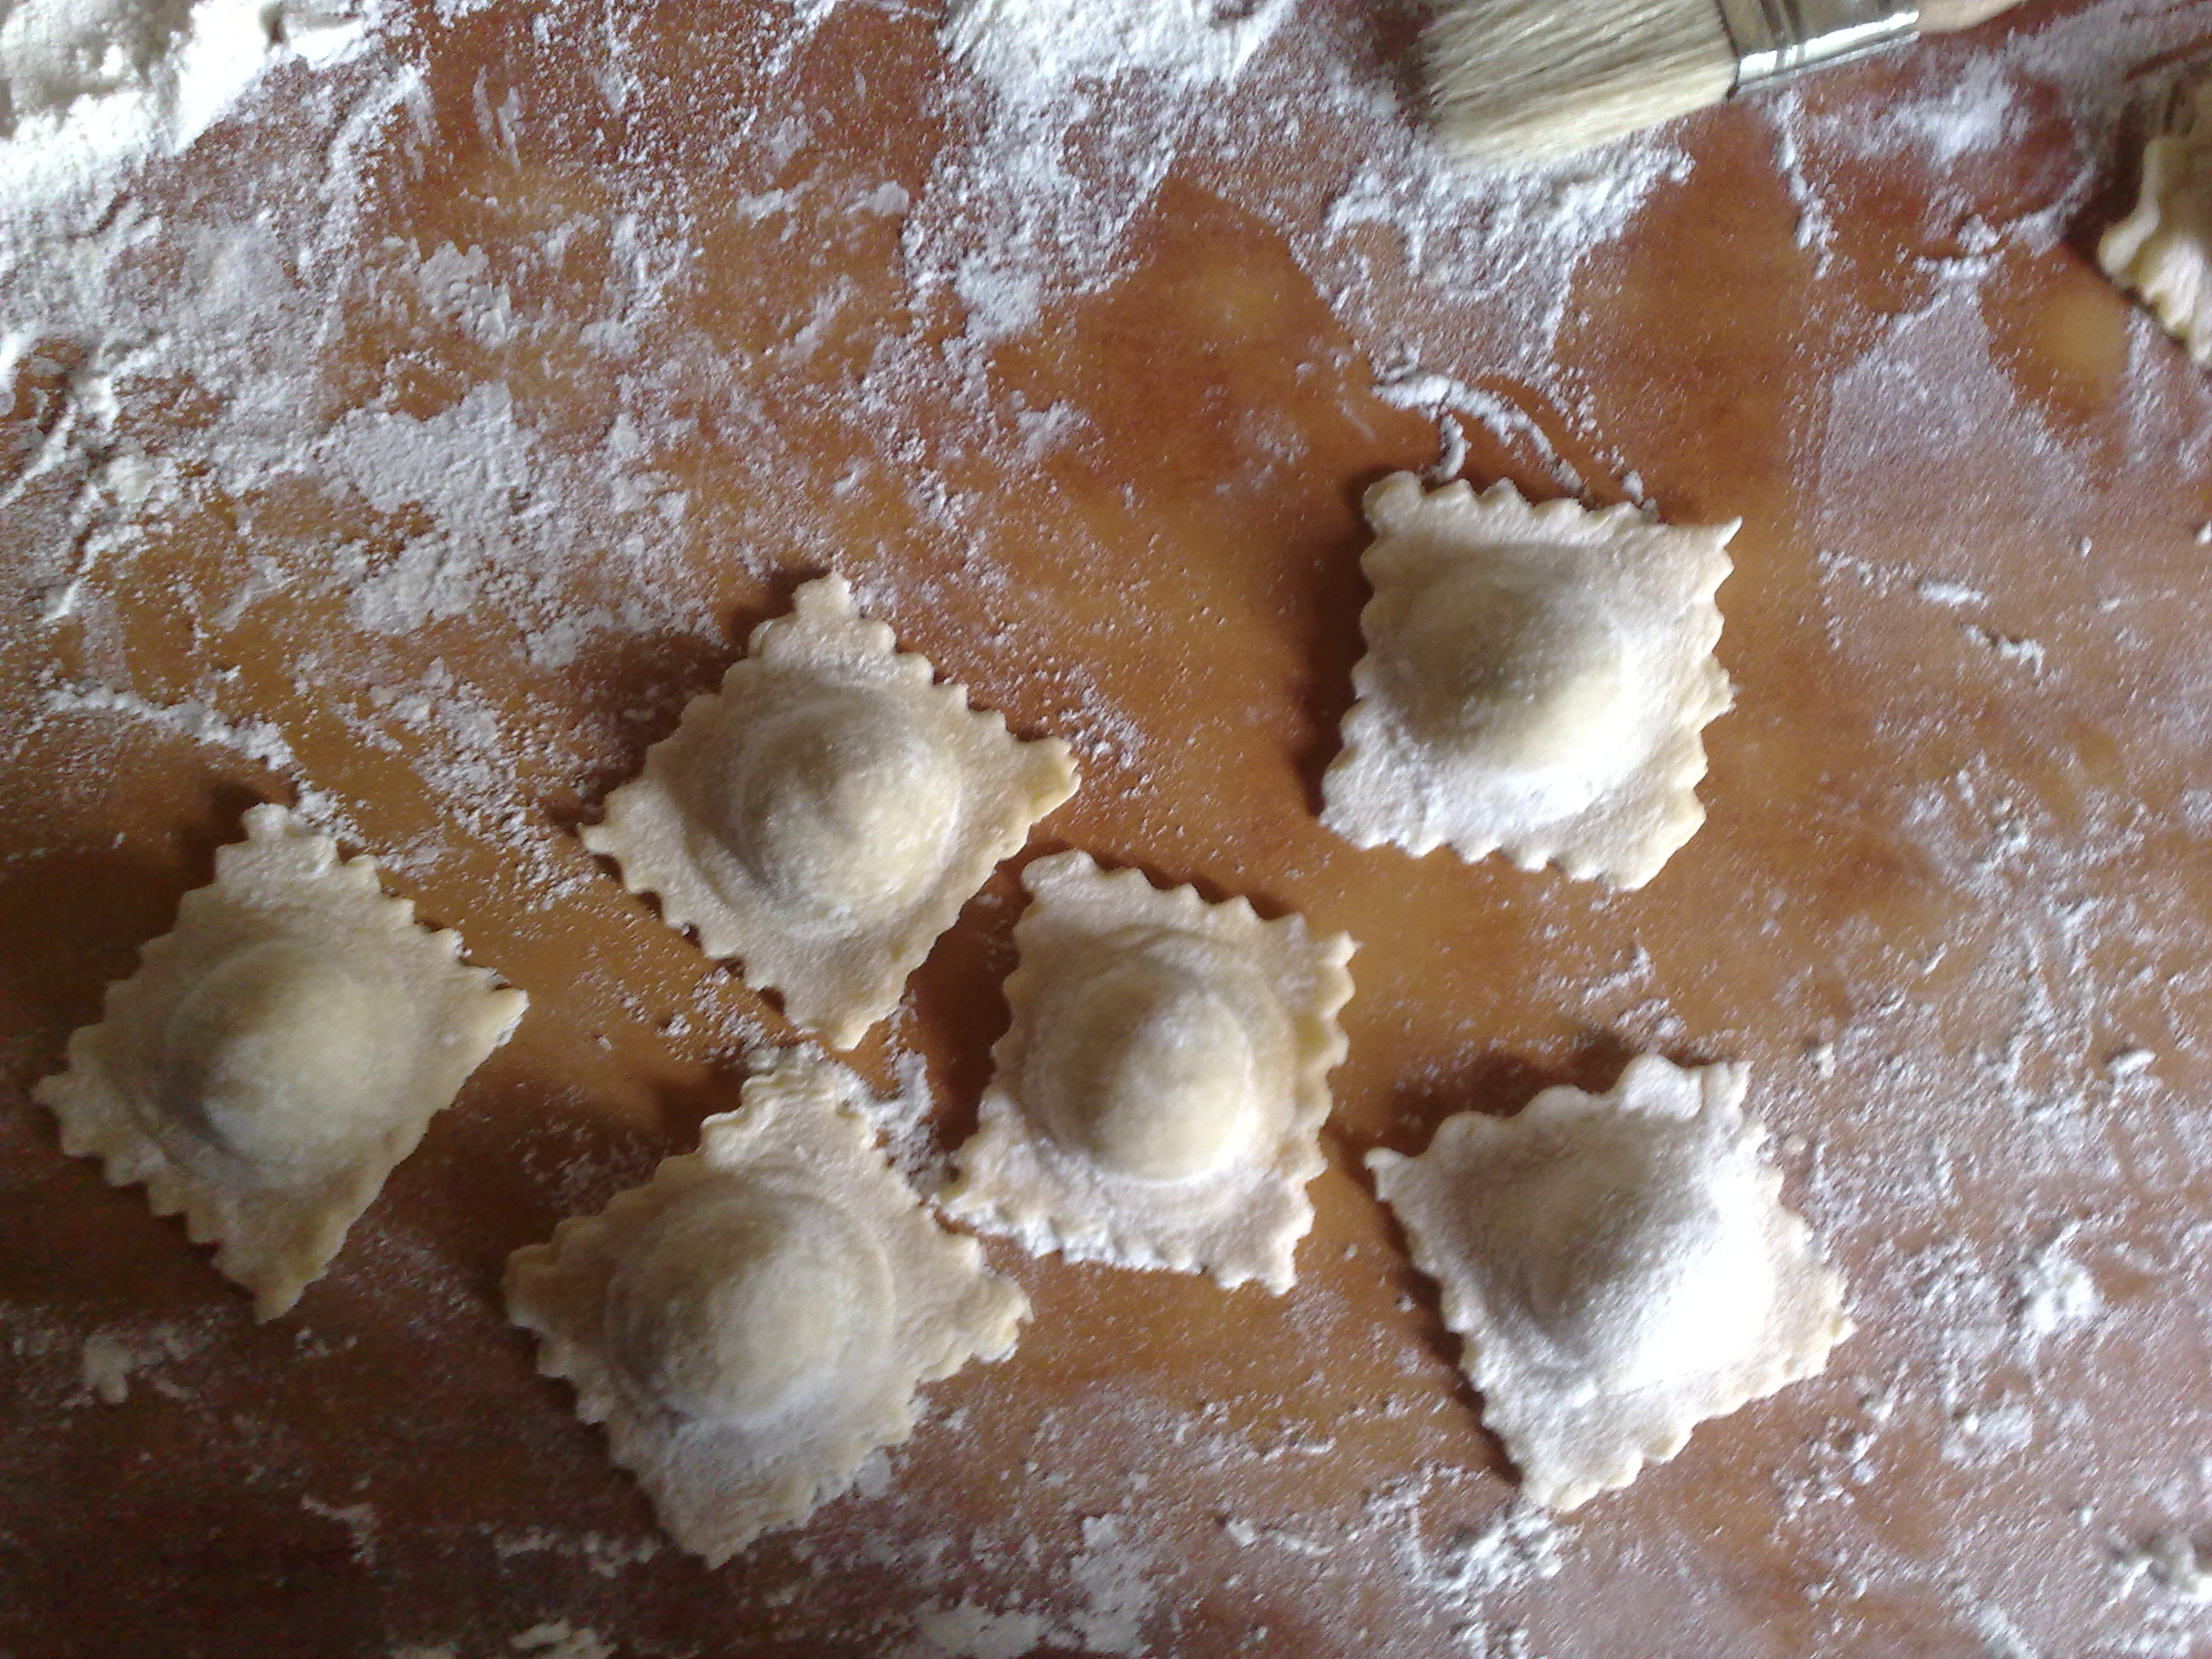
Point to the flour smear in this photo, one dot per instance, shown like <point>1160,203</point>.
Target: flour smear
<point>89,86</point>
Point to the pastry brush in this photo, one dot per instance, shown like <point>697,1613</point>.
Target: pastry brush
<point>1520,80</point>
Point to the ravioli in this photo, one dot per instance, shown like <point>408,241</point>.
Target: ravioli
<point>754,1320</point>
<point>1619,1268</point>
<point>278,1055</point>
<point>826,814</point>
<point>1159,1100</point>
<point>2163,250</point>
<point>1537,679</point>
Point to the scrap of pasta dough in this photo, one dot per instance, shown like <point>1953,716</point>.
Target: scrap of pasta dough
<point>278,1055</point>
<point>824,817</point>
<point>1537,678</point>
<point>2163,250</point>
<point>1619,1268</point>
<point>754,1320</point>
<point>1159,1100</point>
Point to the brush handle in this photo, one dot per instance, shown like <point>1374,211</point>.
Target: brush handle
<point>1775,39</point>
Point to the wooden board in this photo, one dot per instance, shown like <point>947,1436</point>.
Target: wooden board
<point>1958,835</point>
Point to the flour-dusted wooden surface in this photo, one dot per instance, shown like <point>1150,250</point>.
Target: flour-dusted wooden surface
<point>472,401</point>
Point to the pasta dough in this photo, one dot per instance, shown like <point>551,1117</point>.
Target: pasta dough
<point>1619,1268</point>
<point>2163,250</point>
<point>754,1320</point>
<point>1159,1100</point>
<point>1536,679</point>
<point>827,814</point>
<point>277,1054</point>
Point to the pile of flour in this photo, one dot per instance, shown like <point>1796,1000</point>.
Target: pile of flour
<point>88,86</point>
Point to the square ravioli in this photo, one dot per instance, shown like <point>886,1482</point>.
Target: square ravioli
<point>1159,1100</point>
<point>825,815</point>
<point>2163,250</point>
<point>277,1054</point>
<point>1537,678</point>
<point>754,1320</point>
<point>1619,1268</point>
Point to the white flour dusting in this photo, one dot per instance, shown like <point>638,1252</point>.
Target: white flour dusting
<point>1032,51</point>
<point>89,86</point>
<point>256,740</point>
<point>1113,1601</point>
<point>2057,1293</point>
<point>555,1638</point>
<point>1090,109</point>
<point>907,1121</point>
<point>558,1639</point>
<point>2169,1561</point>
<point>1467,1573</point>
<point>112,1357</point>
<point>607,1557</point>
<point>964,1630</point>
<point>359,1520</point>
<point>107,1369</point>
<point>1018,218</point>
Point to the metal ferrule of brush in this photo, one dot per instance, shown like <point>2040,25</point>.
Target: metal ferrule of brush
<point>1775,39</point>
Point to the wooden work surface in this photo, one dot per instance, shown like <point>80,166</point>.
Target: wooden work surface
<point>1957,831</point>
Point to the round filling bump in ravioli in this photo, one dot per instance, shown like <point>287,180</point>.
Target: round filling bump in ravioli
<point>824,815</point>
<point>274,1063</point>
<point>1537,681</point>
<point>746,1300</point>
<point>277,1053</point>
<point>1518,671</point>
<point>1644,1264</point>
<point>1158,1099</point>
<point>843,806</point>
<point>1619,1268</point>
<point>1157,1060</point>
<point>754,1322</point>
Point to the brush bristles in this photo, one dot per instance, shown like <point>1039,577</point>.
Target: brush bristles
<point>1520,80</point>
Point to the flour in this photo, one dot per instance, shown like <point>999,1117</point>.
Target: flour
<point>1978,106</point>
<point>1020,216</point>
<point>1950,595</point>
<point>90,87</point>
<point>1091,108</point>
<point>1519,1547</point>
<point>906,1120</point>
<point>107,1369</point>
<point>454,464</point>
<point>1955,114</point>
<point>256,740</point>
<point>2056,1293</point>
<point>2170,1562</point>
<point>558,1639</point>
<point>1114,1603</point>
<point>1447,401</point>
<point>2129,1062</point>
<point>1031,49</point>
<point>111,1357</point>
<point>359,1520</point>
<point>2001,1638</point>
<point>964,1630</point>
<point>1111,1572</point>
